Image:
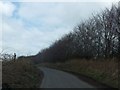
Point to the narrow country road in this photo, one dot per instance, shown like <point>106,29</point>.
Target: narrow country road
<point>59,79</point>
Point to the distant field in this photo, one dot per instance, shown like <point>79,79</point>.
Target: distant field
<point>104,71</point>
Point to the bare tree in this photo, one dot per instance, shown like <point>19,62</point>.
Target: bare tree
<point>97,37</point>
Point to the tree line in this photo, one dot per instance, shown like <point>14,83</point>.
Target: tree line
<point>97,37</point>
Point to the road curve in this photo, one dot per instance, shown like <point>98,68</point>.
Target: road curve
<point>59,79</point>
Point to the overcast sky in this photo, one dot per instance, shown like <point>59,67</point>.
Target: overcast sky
<point>28,27</point>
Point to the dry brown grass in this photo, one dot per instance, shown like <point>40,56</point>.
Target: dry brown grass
<point>0,73</point>
<point>104,71</point>
<point>20,74</point>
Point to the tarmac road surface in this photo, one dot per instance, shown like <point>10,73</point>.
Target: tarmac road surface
<point>58,79</point>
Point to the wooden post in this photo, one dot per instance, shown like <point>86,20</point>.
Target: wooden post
<point>14,57</point>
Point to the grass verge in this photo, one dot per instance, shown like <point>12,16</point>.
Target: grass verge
<point>103,71</point>
<point>20,74</point>
<point>0,74</point>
